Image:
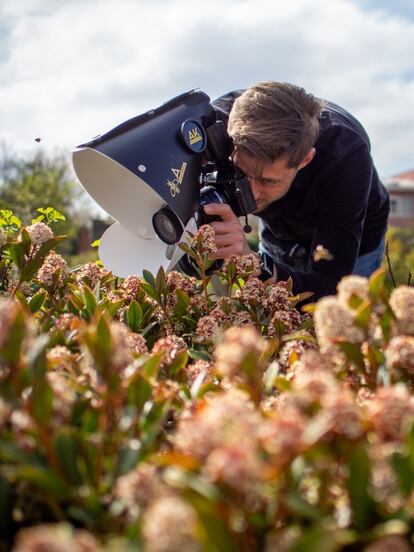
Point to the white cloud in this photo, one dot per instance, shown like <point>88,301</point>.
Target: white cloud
<point>74,69</point>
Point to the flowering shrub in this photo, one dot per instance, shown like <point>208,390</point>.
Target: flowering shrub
<point>153,414</point>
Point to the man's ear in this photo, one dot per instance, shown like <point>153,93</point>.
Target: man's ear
<point>308,158</point>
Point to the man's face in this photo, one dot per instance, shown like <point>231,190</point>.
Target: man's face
<point>269,180</point>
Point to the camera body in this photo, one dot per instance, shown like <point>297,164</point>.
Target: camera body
<point>220,181</point>
<point>224,185</point>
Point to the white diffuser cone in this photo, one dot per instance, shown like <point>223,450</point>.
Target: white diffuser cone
<point>122,194</point>
<point>127,254</point>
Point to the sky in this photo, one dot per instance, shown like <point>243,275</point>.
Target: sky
<point>71,69</point>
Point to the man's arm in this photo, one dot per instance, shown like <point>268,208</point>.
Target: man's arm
<point>342,203</point>
<point>342,198</point>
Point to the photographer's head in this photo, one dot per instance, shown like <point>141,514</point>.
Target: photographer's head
<point>274,127</point>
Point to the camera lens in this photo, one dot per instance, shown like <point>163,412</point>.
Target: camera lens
<point>167,225</point>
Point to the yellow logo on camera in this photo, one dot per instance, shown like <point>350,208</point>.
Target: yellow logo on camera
<point>194,135</point>
<point>175,183</point>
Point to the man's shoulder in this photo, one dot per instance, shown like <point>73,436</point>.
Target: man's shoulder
<point>340,132</point>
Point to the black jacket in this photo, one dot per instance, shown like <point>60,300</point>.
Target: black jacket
<point>336,201</point>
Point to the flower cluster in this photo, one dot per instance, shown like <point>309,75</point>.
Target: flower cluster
<point>53,263</point>
<point>402,304</point>
<point>204,240</point>
<point>243,264</point>
<point>39,233</point>
<point>90,273</point>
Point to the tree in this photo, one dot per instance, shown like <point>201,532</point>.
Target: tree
<point>41,181</point>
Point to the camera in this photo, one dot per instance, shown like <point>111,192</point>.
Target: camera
<point>154,174</point>
<point>219,181</point>
<point>225,185</point>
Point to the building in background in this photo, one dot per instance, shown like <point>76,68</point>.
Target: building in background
<point>401,190</point>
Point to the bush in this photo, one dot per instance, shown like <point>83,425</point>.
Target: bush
<point>154,415</point>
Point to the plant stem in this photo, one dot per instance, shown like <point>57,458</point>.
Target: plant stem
<point>389,265</point>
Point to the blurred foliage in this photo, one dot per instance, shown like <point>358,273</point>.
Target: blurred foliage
<point>401,254</point>
<point>40,180</point>
<point>149,414</point>
<point>89,256</point>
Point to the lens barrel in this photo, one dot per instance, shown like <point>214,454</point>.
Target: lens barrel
<point>167,225</point>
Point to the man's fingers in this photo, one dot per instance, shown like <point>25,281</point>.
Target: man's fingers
<point>223,210</point>
<point>224,241</point>
<point>226,227</point>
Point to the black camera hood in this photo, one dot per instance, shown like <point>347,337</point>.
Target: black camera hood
<point>147,161</point>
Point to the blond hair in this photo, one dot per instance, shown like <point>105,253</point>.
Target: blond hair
<point>274,119</point>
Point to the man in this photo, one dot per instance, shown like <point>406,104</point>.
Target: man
<point>323,210</point>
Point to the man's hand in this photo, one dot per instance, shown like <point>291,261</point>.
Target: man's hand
<point>229,235</point>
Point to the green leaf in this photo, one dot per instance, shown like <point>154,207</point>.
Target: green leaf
<point>187,250</point>
<point>199,354</point>
<point>160,280</point>
<point>66,451</point>
<point>149,278</point>
<point>42,401</point>
<point>43,478</point>
<point>103,338</point>
<point>10,452</point>
<point>151,366</point>
<point>10,350</point>
<point>96,243</point>
<point>151,291</point>
<point>374,356</point>
<point>91,303</point>
<point>363,314</point>
<point>355,301</point>
<point>9,221</point>
<point>410,444</point>
<point>37,301</point>
<point>358,484</point>
<point>183,300</point>
<point>300,297</point>
<point>26,241</point>
<point>77,300</point>
<point>404,472</point>
<point>317,539</point>
<point>151,421</point>
<point>352,352</point>
<point>128,457</point>
<point>51,214</point>
<point>385,322</point>
<point>300,507</point>
<point>113,308</point>
<point>139,391</point>
<point>231,271</point>
<point>179,363</point>
<point>309,308</point>
<point>377,287</point>
<point>17,255</point>
<point>134,316</point>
